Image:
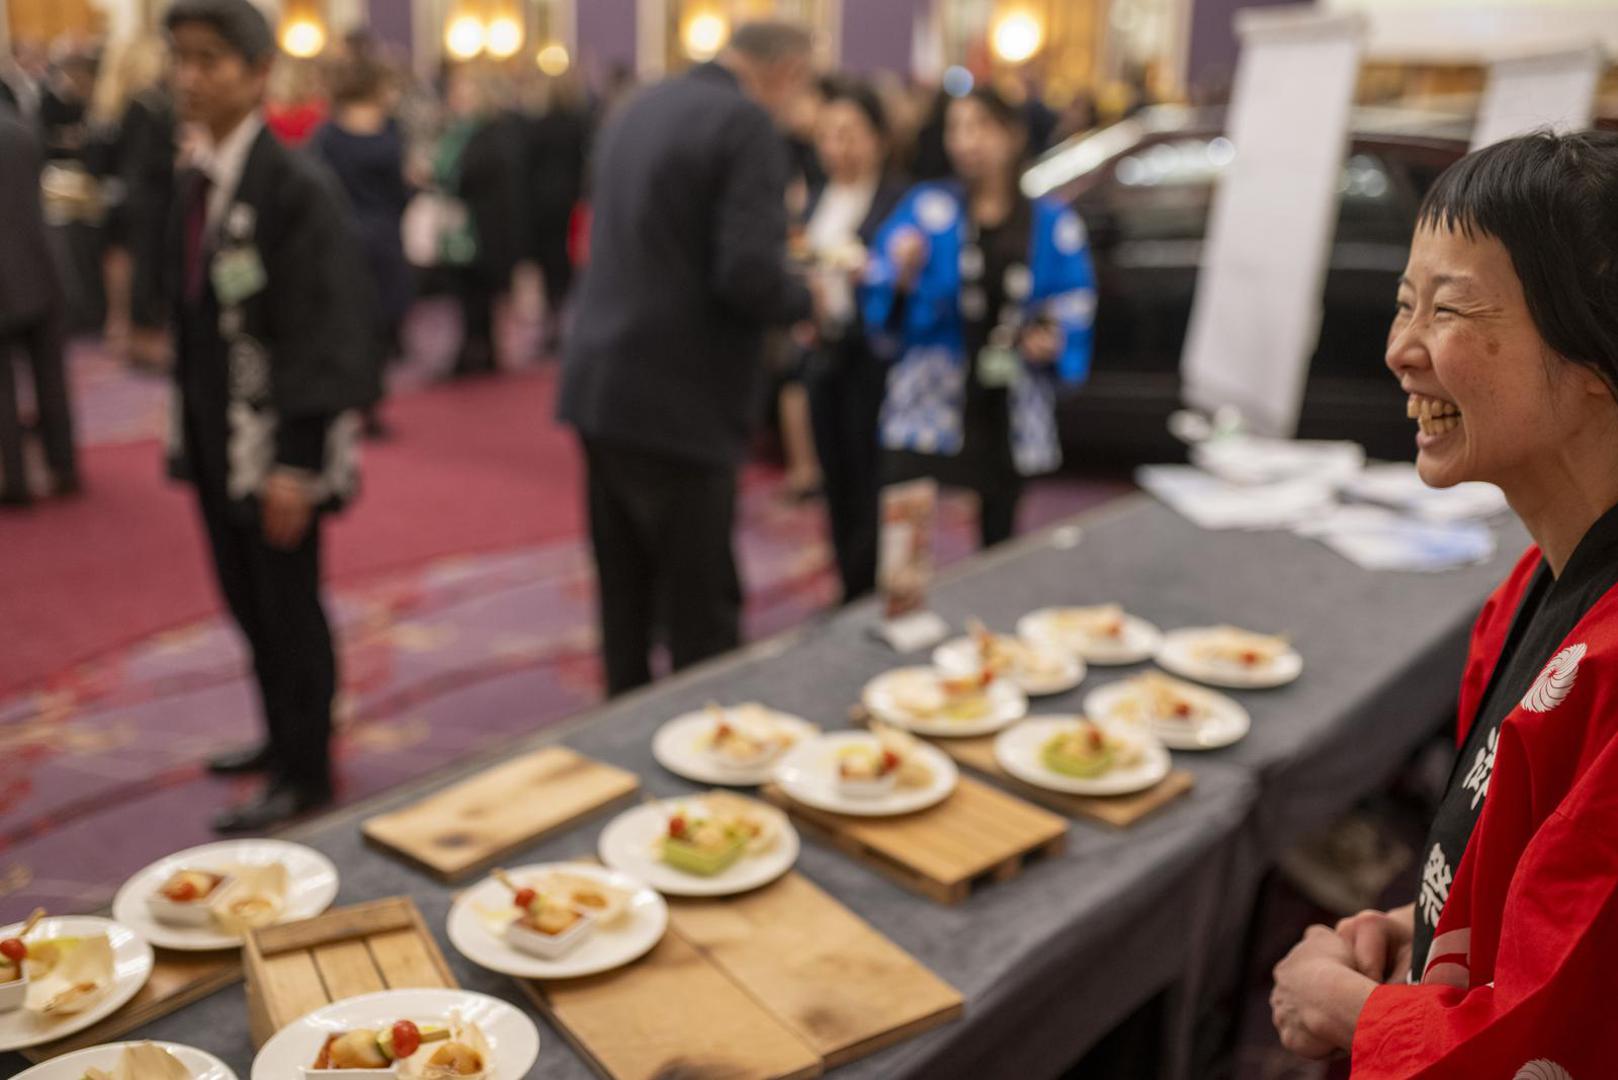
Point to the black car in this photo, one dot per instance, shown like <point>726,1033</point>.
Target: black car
<point>1144,188</point>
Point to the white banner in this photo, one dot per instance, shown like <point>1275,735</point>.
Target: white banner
<point>1256,315</point>
<point>1554,89</point>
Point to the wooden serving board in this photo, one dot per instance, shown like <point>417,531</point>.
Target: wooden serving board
<point>296,967</point>
<point>1120,811</point>
<point>478,822</point>
<point>975,836</point>
<point>178,979</point>
<point>840,986</point>
<point>672,1014</point>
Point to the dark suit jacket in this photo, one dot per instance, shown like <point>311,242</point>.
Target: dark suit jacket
<point>29,287</point>
<point>687,267</point>
<point>490,184</point>
<point>312,322</point>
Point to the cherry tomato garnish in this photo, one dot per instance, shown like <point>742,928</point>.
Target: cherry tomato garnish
<point>525,898</point>
<point>14,949</point>
<point>406,1038</point>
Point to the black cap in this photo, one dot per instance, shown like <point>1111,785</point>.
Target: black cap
<point>239,22</point>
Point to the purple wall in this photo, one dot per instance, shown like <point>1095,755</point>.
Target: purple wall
<point>876,34</point>
<point>606,30</point>
<point>390,21</point>
<point>1212,59</point>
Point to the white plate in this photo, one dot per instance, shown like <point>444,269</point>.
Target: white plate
<point>1177,655</point>
<point>513,1039</point>
<point>629,843</point>
<point>203,1066</point>
<point>677,746</point>
<point>311,887</point>
<point>1018,751</point>
<point>960,656</point>
<point>1223,723</point>
<point>1007,705</point>
<point>809,775</point>
<point>131,967</point>
<point>603,949</point>
<point>1138,644</point>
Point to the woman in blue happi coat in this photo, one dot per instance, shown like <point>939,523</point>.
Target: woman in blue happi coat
<point>981,300</point>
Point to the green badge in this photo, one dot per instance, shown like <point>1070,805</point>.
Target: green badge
<point>998,366</point>
<point>237,274</point>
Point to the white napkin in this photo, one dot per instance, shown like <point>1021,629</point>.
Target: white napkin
<point>83,974</point>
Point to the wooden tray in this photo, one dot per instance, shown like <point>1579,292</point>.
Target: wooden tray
<point>296,967</point>
<point>1119,811</point>
<point>178,979</point>
<point>478,822</point>
<point>672,1014</point>
<point>789,946</point>
<point>975,836</point>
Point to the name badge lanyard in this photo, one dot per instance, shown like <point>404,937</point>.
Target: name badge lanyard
<point>998,362</point>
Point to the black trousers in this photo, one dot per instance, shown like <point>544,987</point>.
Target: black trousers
<point>845,398</point>
<point>274,596</point>
<point>41,340</point>
<point>661,530</point>
<point>476,356</point>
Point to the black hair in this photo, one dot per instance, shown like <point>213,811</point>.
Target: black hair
<point>242,25</point>
<point>1002,111</point>
<point>1552,202</point>
<point>862,97</point>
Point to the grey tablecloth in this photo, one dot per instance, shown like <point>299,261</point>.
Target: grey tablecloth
<point>1051,960</point>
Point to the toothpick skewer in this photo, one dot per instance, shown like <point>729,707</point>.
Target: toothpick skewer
<point>33,921</point>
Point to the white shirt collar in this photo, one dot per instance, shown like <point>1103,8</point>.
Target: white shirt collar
<point>224,161</point>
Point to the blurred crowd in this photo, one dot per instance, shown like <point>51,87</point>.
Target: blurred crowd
<point>852,262</point>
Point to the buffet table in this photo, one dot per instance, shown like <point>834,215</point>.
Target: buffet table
<point>1048,962</point>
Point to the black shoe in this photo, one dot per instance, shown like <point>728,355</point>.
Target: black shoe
<point>67,487</point>
<point>279,804</point>
<point>248,759</point>
<point>16,498</point>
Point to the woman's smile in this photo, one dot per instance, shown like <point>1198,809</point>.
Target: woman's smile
<point>1436,419</point>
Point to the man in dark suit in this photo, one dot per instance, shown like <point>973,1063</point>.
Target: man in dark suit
<point>663,370</point>
<point>30,318</point>
<point>272,337</point>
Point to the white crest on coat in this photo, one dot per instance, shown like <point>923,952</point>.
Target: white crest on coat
<point>1019,281</point>
<point>936,211</point>
<point>239,222</point>
<point>1542,1069</point>
<point>1556,681</point>
<point>1069,233</point>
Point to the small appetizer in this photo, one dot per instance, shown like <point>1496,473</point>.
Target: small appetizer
<point>1086,751</point>
<point>866,771</point>
<point>255,897</point>
<point>891,760</point>
<point>186,898</point>
<point>1012,657</point>
<point>376,1049</point>
<point>747,735</point>
<point>554,914</point>
<point>1242,650</point>
<point>65,974</point>
<point>1102,624</point>
<point>143,1061</point>
<point>931,696</point>
<point>706,836</point>
<point>14,965</point>
<point>464,1055</point>
<point>1160,699</point>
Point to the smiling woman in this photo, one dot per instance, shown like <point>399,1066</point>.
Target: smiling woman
<point>1506,341</point>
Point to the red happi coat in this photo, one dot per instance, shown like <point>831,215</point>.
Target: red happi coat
<point>1520,981</point>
